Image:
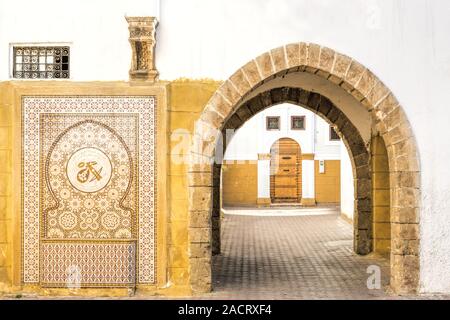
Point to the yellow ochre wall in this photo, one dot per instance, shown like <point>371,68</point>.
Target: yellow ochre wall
<point>239,183</point>
<point>180,102</point>
<point>328,184</point>
<point>6,146</point>
<point>187,99</point>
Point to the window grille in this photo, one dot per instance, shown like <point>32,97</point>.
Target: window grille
<point>41,62</point>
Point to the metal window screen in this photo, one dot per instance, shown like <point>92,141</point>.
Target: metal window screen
<point>41,62</point>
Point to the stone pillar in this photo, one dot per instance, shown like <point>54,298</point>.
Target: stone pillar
<point>216,210</point>
<point>263,179</point>
<point>308,183</point>
<point>381,197</point>
<point>142,41</point>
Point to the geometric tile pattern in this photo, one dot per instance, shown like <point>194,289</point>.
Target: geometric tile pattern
<point>88,264</point>
<point>50,128</point>
<point>88,176</point>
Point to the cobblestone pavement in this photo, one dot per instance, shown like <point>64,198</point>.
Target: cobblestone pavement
<point>285,253</point>
<point>291,253</point>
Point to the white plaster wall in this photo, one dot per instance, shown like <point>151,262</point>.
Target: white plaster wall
<point>352,108</point>
<point>253,138</point>
<point>325,148</point>
<point>95,29</point>
<point>404,42</point>
<point>263,178</point>
<point>347,184</point>
<point>308,179</point>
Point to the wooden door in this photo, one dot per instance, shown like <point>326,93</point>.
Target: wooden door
<point>285,171</point>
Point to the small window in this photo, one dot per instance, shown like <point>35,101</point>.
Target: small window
<point>298,123</point>
<point>333,135</point>
<point>273,123</point>
<point>41,62</point>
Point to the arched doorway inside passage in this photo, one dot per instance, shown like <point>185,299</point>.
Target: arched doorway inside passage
<point>285,171</point>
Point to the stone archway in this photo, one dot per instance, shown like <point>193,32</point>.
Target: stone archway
<point>223,109</point>
<point>360,155</point>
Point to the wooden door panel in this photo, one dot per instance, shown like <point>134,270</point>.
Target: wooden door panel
<point>285,170</point>
<point>285,192</point>
<point>288,180</point>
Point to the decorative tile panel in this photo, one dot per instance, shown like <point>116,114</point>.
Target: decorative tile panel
<point>88,264</point>
<point>89,173</point>
<point>89,184</point>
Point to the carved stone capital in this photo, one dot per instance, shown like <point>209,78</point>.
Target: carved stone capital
<point>142,41</point>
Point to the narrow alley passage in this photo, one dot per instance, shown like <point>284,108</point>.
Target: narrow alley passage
<point>292,253</point>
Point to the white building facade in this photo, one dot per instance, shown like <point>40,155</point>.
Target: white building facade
<point>254,140</point>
